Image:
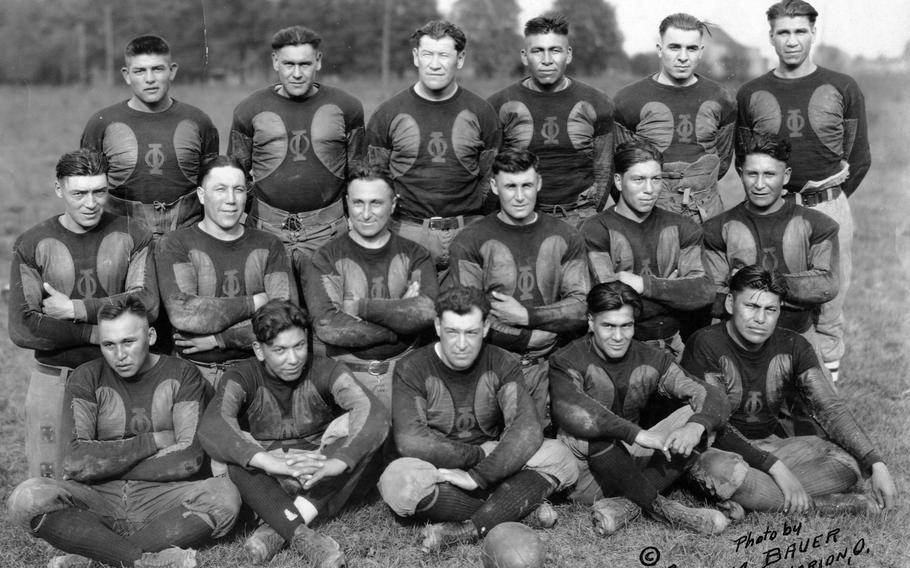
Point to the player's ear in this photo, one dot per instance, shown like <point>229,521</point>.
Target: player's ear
<point>487,322</point>
<point>173,68</point>
<point>617,181</point>
<point>125,72</point>
<point>787,172</point>
<point>416,57</point>
<point>459,59</point>
<point>58,189</point>
<point>568,55</point>
<point>438,325</point>
<point>153,336</point>
<point>200,194</point>
<point>493,187</point>
<point>275,60</point>
<point>590,323</point>
<point>257,350</point>
<point>318,60</point>
<point>524,57</point>
<point>728,303</point>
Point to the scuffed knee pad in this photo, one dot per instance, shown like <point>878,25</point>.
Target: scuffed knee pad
<point>556,460</point>
<point>719,473</point>
<point>36,496</point>
<point>405,482</point>
<point>217,501</point>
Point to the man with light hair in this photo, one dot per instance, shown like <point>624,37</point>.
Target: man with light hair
<point>823,114</point>
<point>566,123</point>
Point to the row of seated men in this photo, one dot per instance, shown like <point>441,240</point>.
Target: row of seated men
<point>297,432</point>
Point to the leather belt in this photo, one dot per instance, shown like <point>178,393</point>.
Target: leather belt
<point>437,223</point>
<point>374,368</point>
<point>816,197</point>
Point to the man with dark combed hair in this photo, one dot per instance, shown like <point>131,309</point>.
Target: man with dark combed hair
<point>298,433</point>
<point>63,270</point>
<point>436,140</point>
<point>131,495</point>
<point>566,123</point>
<point>371,291</point>
<point>777,233</point>
<point>823,114</point>
<point>473,452</point>
<point>298,138</point>
<point>763,369</point>
<point>155,144</point>
<point>690,118</point>
<point>533,267</point>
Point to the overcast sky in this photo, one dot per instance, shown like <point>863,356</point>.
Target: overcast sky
<point>865,27</point>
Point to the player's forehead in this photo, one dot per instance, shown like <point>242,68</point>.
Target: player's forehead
<point>148,60</point>
<point>445,44</point>
<point>546,40</point>
<point>369,190</point>
<point>290,337</point>
<point>758,161</point>
<point>757,298</point>
<point>679,36</point>
<point>646,168</point>
<point>297,53</point>
<point>123,327</point>
<point>223,176</point>
<point>622,316</point>
<point>84,183</point>
<point>472,320</point>
<point>530,175</point>
<point>790,23</point>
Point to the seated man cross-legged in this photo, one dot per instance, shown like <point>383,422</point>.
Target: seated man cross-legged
<point>132,494</point>
<point>298,435</point>
<point>473,451</point>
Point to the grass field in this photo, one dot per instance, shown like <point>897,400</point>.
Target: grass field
<point>37,124</point>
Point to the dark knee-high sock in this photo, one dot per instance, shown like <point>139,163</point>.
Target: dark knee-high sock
<point>515,497</point>
<point>662,473</point>
<point>82,532</point>
<point>264,494</point>
<point>618,475</point>
<point>177,527</point>
<point>448,503</point>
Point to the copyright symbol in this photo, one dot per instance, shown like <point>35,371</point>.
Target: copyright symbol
<point>649,556</point>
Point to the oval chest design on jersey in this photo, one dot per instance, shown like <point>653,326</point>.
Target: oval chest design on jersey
<point>518,125</point>
<point>122,150</point>
<point>188,147</point>
<point>656,124</point>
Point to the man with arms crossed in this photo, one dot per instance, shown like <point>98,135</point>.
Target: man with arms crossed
<point>215,274</point>
<point>566,123</point>
<point>690,118</point>
<point>532,266</point>
<point>823,114</point>
<point>437,141</point>
<point>656,252</point>
<point>131,495</point>
<point>764,368</point>
<point>63,270</point>
<point>371,290</point>
<point>473,452</point>
<point>154,143</point>
<point>298,434</point>
<point>298,137</point>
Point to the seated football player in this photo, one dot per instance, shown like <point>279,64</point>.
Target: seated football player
<point>132,494</point>
<point>764,368</point>
<point>599,385</point>
<point>473,452</point>
<point>298,435</point>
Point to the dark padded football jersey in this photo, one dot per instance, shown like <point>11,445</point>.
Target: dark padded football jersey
<point>153,156</point>
<point>823,115</point>
<point>438,153</point>
<point>298,150</point>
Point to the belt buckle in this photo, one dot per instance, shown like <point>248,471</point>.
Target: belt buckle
<point>375,368</point>
<point>435,223</point>
<point>292,223</point>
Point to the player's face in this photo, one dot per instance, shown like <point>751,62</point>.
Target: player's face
<point>640,185</point>
<point>763,179</point>
<point>370,206</point>
<point>792,39</point>
<point>680,52</point>
<point>285,356</point>
<point>546,57</point>
<point>613,331</point>
<point>753,314</point>
<point>460,337</point>
<point>83,200</point>
<point>125,342</point>
<point>149,76</point>
<point>437,63</point>
<point>223,196</point>
<point>517,195</point>
<point>297,66</point>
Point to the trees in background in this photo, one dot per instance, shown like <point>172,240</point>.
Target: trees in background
<point>595,36</point>
<point>493,39</point>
